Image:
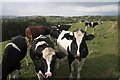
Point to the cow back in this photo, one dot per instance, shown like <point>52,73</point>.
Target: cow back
<point>37,30</point>
<point>21,43</point>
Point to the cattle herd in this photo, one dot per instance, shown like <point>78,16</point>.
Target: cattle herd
<point>42,51</point>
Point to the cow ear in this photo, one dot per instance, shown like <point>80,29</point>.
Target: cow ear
<point>89,37</point>
<point>60,55</point>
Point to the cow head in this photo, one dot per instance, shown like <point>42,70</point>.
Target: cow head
<point>79,40</point>
<point>44,57</point>
<point>54,32</point>
<point>46,62</point>
<point>96,23</point>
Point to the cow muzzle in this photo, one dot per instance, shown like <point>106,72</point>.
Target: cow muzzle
<point>48,74</point>
<point>78,58</point>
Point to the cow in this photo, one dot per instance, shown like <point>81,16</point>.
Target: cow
<point>14,52</point>
<point>63,27</point>
<point>54,33</point>
<point>56,30</point>
<point>43,56</point>
<point>73,45</point>
<point>34,31</point>
<point>90,24</point>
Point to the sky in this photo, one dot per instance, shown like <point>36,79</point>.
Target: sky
<point>60,0</point>
<point>59,8</point>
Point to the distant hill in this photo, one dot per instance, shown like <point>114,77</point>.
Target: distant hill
<point>8,17</point>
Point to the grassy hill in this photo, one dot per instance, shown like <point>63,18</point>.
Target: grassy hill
<point>102,61</point>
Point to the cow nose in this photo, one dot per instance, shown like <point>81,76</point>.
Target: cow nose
<point>77,57</point>
<point>48,74</point>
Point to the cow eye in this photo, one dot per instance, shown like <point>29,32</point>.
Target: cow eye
<point>43,60</point>
<point>37,57</point>
<point>62,38</point>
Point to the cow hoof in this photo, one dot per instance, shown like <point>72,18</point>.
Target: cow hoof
<point>70,78</point>
<point>78,78</point>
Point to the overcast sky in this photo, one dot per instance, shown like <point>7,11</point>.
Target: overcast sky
<point>60,0</point>
<point>59,8</point>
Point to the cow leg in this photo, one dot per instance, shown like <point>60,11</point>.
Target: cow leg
<point>4,73</point>
<point>71,70</point>
<point>9,77</point>
<point>16,74</point>
<point>17,71</point>
<point>55,42</point>
<point>79,65</point>
<point>4,77</point>
<point>58,64</point>
<point>70,60</point>
<point>40,75</point>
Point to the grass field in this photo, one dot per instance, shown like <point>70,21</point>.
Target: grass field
<point>102,61</point>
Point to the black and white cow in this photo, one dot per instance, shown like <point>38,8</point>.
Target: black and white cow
<point>63,27</point>
<point>14,52</point>
<point>73,45</point>
<point>90,24</point>
<point>55,31</point>
<point>43,56</point>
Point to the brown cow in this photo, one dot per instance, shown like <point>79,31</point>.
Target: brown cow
<point>34,31</point>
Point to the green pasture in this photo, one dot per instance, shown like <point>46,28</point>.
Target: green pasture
<point>102,61</point>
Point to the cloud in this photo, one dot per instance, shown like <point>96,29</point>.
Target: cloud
<point>59,8</point>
